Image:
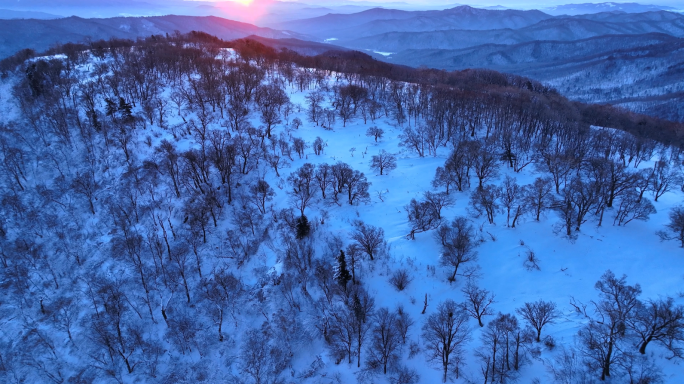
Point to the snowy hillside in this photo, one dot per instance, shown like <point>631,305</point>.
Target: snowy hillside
<point>176,212</point>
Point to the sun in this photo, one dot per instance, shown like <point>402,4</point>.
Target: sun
<point>248,11</point>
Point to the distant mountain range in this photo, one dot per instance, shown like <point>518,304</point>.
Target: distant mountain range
<point>560,29</point>
<point>261,12</point>
<point>41,34</point>
<point>534,58</point>
<point>379,20</point>
<point>8,14</point>
<point>588,8</point>
<point>625,56</point>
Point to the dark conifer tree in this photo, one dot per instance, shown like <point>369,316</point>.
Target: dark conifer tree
<point>303,227</point>
<point>342,274</point>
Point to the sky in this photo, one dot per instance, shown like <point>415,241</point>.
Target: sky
<point>538,4</point>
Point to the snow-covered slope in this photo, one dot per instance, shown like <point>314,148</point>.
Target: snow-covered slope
<point>123,258</point>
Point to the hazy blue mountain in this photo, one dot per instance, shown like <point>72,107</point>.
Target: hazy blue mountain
<point>643,73</point>
<point>527,56</point>
<point>562,29</point>
<point>9,14</point>
<point>588,8</point>
<point>379,20</point>
<point>275,11</point>
<point>41,34</point>
<point>622,17</point>
<point>99,8</point>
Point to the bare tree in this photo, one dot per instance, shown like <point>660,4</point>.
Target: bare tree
<point>170,163</point>
<point>444,177</point>
<point>633,208</point>
<point>458,244</point>
<point>675,228</point>
<point>538,314</point>
<point>568,367</point>
<point>260,193</point>
<point>485,201</point>
<point>601,340</point>
<point>368,237</point>
<point>414,140</point>
<point>478,301</point>
<point>613,177</point>
<point>400,279</point>
<point>342,331</point>
<point>318,146</point>
<point>444,334</point>
<point>422,217</point>
<point>663,178</point>
<point>582,196</point>
<point>539,196</point>
<point>296,123</point>
<point>363,307</point>
<point>642,181</point>
<point>456,170</point>
<point>314,100</point>
<point>222,154</point>
<point>183,330</point>
<point>357,187</point>
<point>439,201</point>
<point>502,348</point>
<point>375,132</point>
<point>324,178</point>
<point>639,369</point>
<point>85,184</point>
<point>299,146</point>
<point>512,198</point>
<point>661,321</point>
<point>485,163</point>
<point>404,322</point>
<point>276,161</point>
<point>385,339</point>
<point>302,185</point>
<point>255,355</point>
<point>269,99</point>
<point>343,104</point>
<point>221,291</point>
<point>383,162</point>
<point>558,165</point>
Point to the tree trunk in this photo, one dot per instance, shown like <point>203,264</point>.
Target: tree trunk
<point>642,349</point>
<point>220,324</point>
<point>605,372</point>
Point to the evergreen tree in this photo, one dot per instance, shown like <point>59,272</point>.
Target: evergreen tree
<point>341,273</point>
<point>111,107</point>
<point>303,227</point>
<point>126,110</point>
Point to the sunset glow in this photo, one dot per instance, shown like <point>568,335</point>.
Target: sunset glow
<point>249,11</point>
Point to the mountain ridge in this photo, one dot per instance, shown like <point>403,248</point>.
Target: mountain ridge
<point>568,28</point>
<point>42,34</point>
<point>365,22</point>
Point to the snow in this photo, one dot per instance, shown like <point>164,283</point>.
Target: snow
<point>569,269</point>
